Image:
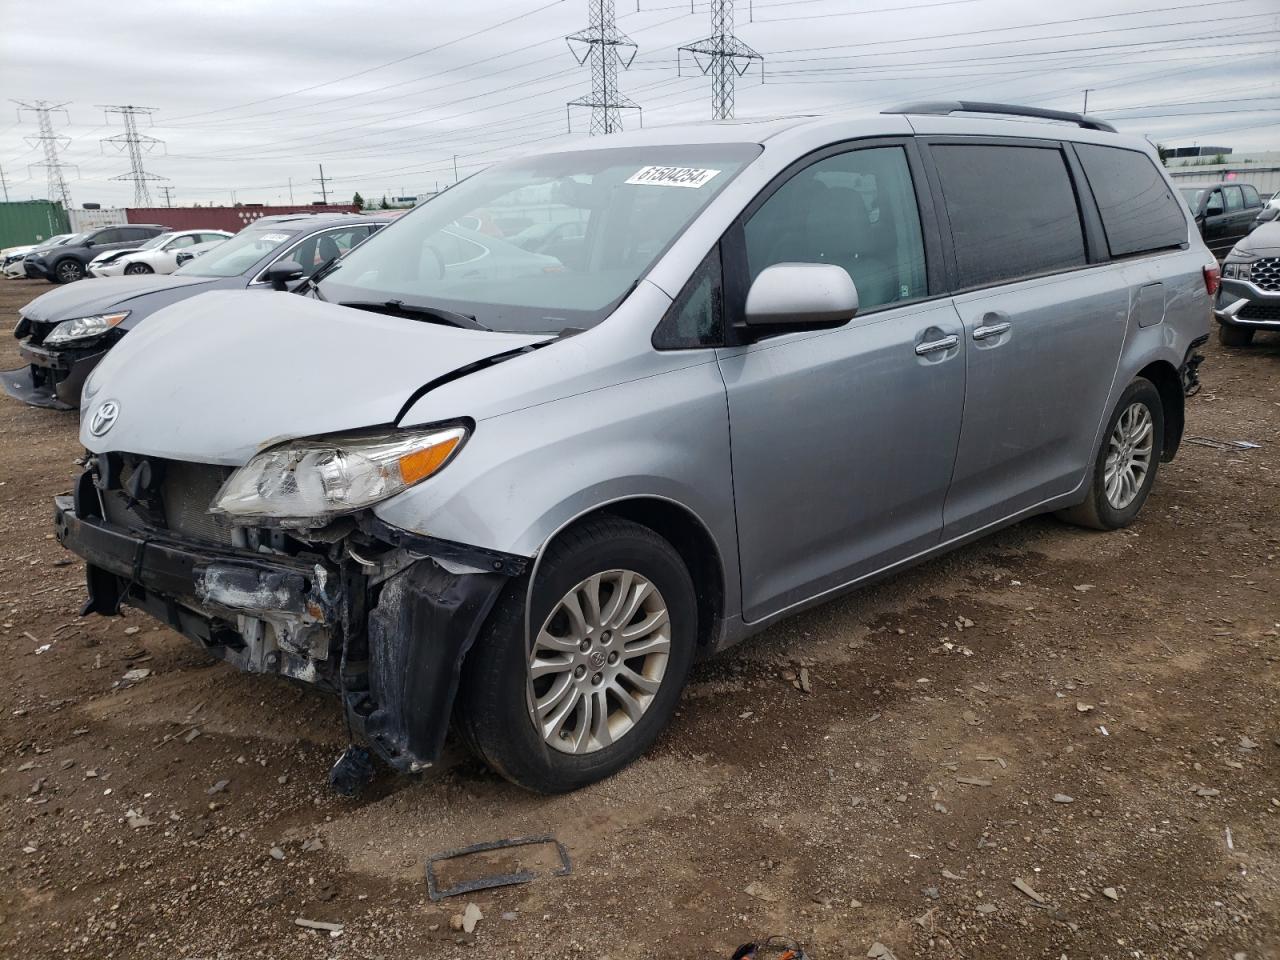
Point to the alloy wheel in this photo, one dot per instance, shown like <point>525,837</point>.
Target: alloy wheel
<point>598,661</point>
<point>70,271</point>
<point>1129,451</point>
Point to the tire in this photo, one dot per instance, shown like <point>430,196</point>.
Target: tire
<point>1104,510</point>
<point>134,269</point>
<point>494,701</point>
<point>68,271</point>
<point>1233,336</point>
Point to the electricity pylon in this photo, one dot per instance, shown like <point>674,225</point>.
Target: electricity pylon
<point>607,48</point>
<point>52,144</point>
<point>136,144</point>
<point>724,57</point>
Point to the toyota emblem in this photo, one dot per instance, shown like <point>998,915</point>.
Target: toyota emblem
<point>104,417</point>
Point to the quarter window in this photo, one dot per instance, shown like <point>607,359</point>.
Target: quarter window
<point>1013,211</point>
<point>1139,211</point>
<point>696,319</point>
<point>856,210</point>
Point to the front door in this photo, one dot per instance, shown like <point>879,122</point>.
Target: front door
<point>844,439</point>
<point>1043,331</point>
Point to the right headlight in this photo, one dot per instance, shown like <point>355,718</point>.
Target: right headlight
<point>309,482</point>
<point>1238,270</point>
<point>83,328</point>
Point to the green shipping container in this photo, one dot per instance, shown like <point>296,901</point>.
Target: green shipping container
<point>30,221</point>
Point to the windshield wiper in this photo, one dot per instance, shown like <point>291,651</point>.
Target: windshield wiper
<point>398,308</point>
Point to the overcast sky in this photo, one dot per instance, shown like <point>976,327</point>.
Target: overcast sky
<point>251,94</point>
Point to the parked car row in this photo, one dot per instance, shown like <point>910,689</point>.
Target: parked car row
<point>157,255</point>
<point>14,258</point>
<point>456,480</point>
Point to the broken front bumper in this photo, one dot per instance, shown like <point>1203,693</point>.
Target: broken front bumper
<point>1242,303</point>
<point>52,378</point>
<point>392,649</point>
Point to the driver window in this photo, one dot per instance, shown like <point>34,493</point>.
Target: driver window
<point>177,243</point>
<point>1235,202</point>
<point>856,210</point>
<point>1213,205</point>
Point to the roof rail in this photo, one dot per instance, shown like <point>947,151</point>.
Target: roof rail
<point>943,108</point>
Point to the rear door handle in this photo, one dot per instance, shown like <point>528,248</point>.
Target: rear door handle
<point>991,330</point>
<point>935,346</point>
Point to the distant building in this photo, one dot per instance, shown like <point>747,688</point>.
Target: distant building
<point>1261,169</point>
<point>1172,152</point>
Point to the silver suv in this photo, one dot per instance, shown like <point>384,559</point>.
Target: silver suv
<point>460,481</point>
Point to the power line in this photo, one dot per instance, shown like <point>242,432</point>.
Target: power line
<point>724,57</point>
<point>602,44</point>
<point>52,143</point>
<point>136,144</point>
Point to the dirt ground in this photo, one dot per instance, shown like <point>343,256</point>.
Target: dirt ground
<point>1093,716</point>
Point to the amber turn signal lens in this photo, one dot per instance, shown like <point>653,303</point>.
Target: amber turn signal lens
<point>423,463</point>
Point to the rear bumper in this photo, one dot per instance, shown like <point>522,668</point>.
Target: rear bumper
<point>52,378</point>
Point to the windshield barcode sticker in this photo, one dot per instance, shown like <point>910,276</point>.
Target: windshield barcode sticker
<point>672,176</point>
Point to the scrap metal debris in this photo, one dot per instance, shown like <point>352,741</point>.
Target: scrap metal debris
<point>775,948</point>
<point>493,880</point>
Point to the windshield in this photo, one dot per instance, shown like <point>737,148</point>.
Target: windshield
<point>156,241</point>
<point>234,256</point>
<point>1191,196</point>
<point>621,209</point>
<point>71,238</point>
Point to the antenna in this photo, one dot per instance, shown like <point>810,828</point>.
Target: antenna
<point>606,48</point>
<point>52,144</point>
<point>723,56</point>
<point>136,144</point>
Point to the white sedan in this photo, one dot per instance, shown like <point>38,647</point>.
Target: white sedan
<point>11,257</point>
<point>157,255</point>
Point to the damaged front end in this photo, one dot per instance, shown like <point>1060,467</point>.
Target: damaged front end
<point>380,616</point>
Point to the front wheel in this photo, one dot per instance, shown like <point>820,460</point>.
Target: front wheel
<point>69,271</point>
<point>1126,465</point>
<point>614,627</point>
<point>1230,335</point>
<point>134,269</point>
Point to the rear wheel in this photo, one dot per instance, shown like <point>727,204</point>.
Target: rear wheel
<point>137,268</point>
<point>613,625</point>
<point>1233,336</point>
<point>68,271</point>
<point>1126,465</point>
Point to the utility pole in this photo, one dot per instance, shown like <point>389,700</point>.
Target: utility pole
<point>724,57</point>
<point>136,144</point>
<point>455,168</point>
<point>606,47</point>
<point>4,185</point>
<point>1085,108</point>
<point>52,144</point>
<point>291,191</point>
<point>168,200</point>
<point>324,183</point>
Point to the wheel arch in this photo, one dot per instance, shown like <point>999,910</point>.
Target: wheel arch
<point>1168,382</point>
<point>687,534</point>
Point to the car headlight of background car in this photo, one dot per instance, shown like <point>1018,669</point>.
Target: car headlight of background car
<point>308,482</point>
<point>1239,270</point>
<point>82,328</point>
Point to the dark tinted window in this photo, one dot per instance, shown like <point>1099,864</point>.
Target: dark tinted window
<point>1139,211</point>
<point>856,210</point>
<point>696,319</point>
<point>1235,202</point>
<point>108,236</point>
<point>1013,211</point>
<point>1251,198</point>
<point>137,234</point>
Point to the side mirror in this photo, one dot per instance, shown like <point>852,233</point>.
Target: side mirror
<point>801,295</point>
<point>283,272</point>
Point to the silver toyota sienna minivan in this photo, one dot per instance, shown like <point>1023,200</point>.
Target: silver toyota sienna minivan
<point>519,489</point>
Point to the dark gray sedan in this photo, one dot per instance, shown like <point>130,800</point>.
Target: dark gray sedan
<point>65,332</point>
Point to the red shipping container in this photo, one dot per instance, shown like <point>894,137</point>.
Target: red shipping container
<point>221,218</point>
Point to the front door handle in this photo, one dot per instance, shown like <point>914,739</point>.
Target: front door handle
<point>935,346</point>
<point>991,330</point>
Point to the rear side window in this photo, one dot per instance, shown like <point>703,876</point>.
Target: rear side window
<point>1251,198</point>
<point>1235,202</point>
<point>1139,211</point>
<point>1013,211</point>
